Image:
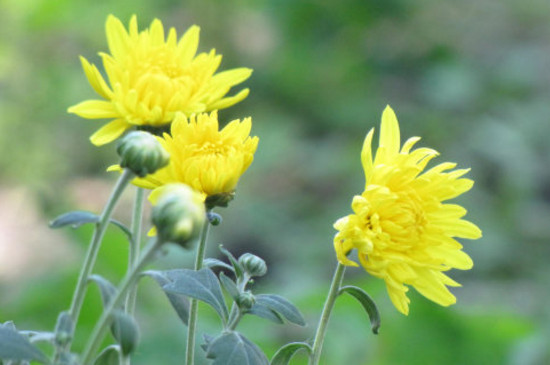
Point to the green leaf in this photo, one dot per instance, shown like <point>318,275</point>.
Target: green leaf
<point>108,290</point>
<point>179,302</point>
<point>285,353</point>
<point>210,263</point>
<point>263,311</point>
<point>109,356</point>
<point>368,305</point>
<point>239,270</point>
<point>230,286</point>
<point>125,331</point>
<point>232,348</point>
<point>79,217</point>
<point>75,219</point>
<point>15,347</point>
<point>282,306</point>
<point>202,285</point>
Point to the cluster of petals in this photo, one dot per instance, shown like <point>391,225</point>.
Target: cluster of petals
<point>402,230</point>
<point>208,159</point>
<point>151,77</point>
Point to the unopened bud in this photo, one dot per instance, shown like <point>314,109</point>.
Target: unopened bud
<point>245,300</point>
<point>178,214</point>
<point>64,329</point>
<point>142,153</point>
<point>253,264</point>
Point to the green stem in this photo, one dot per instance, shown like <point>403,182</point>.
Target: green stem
<point>105,319</point>
<point>134,248</point>
<point>327,309</point>
<point>193,312</point>
<point>133,257</point>
<point>93,248</point>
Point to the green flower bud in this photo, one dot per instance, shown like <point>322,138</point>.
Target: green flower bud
<point>142,153</point>
<point>178,214</point>
<point>245,300</point>
<point>253,265</point>
<point>125,331</point>
<point>64,329</point>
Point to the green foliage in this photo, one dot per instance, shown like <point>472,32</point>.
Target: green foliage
<point>109,356</point>
<point>15,347</point>
<point>125,330</point>
<point>202,285</point>
<point>77,218</point>
<point>232,348</point>
<point>285,353</point>
<point>367,303</point>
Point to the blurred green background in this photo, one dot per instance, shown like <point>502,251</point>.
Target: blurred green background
<point>471,77</point>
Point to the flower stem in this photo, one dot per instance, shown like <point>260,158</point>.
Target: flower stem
<point>133,256</point>
<point>193,313</point>
<point>105,320</point>
<point>134,248</point>
<point>327,309</point>
<point>93,248</point>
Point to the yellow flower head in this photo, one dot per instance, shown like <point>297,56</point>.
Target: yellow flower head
<point>401,229</point>
<point>151,78</point>
<point>207,159</point>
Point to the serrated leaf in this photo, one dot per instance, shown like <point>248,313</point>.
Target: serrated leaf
<point>109,356</point>
<point>238,269</point>
<point>210,263</point>
<point>230,286</point>
<point>367,303</point>
<point>125,331</point>
<point>15,347</point>
<point>232,348</point>
<point>179,302</point>
<point>282,306</point>
<point>202,285</point>
<point>285,353</point>
<point>263,311</point>
<point>106,288</point>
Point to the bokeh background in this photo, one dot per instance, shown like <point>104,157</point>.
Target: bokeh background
<point>471,77</point>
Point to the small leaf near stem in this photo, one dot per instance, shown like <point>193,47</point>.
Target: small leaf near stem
<point>325,316</point>
<point>193,313</point>
<point>285,353</point>
<point>368,305</point>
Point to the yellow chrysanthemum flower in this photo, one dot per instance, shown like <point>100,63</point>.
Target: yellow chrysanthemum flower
<point>207,159</point>
<point>401,229</point>
<point>151,78</point>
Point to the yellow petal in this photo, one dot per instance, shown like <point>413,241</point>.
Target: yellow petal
<point>366,155</point>
<point>389,132</point>
<point>95,79</point>
<point>109,132</point>
<point>231,77</point>
<point>229,101</point>
<point>94,109</point>
<point>188,44</point>
<point>117,37</point>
